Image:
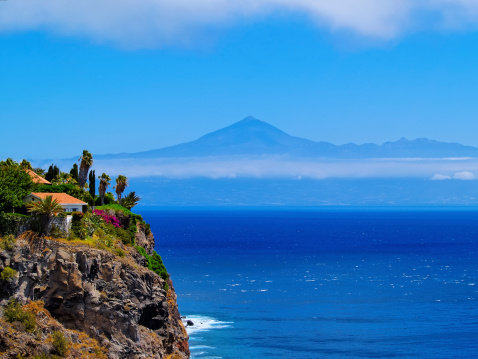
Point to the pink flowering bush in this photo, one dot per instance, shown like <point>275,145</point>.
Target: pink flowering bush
<point>107,218</point>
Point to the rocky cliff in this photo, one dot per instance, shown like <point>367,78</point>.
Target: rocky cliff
<point>114,299</point>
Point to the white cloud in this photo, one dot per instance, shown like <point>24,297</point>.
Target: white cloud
<point>440,177</point>
<point>280,167</point>
<point>150,23</point>
<point>465,175</point>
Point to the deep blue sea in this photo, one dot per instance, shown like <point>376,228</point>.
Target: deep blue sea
<point>324,283</point>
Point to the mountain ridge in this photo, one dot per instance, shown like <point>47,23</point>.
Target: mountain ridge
<point>251,136</point>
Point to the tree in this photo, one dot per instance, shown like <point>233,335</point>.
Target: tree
<point>86,160</point>
<point>121,184</point>
<point>104,183</point>
<point>63,178</point>
<point>26,165</point>
<point>15,185</point>
<point>130,200</point>
<point>74,173</point>
<point>52,173</point>
<point>92,184</point>
<point>39,171</point>
<point>46,209</point>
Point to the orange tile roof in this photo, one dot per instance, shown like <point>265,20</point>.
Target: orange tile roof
<point>62,198</point>
<point>36,178</point>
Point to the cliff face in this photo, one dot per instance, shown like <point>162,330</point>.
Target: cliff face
<point>114,300</point>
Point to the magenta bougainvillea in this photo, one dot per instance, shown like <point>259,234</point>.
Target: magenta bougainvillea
<point>107,218</point>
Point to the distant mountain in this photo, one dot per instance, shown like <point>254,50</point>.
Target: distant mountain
<point>252,137</point>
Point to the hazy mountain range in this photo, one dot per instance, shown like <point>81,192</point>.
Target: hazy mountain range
<point>252,163</point>
<point>254,137</point>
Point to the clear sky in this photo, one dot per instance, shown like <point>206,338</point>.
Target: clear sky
<point>128,76</point>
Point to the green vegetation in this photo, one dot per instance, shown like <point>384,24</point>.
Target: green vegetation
<point>46,209</point>
<point>74,172</point>
<point>86,160</point>
<point>52,173</point>
<point>8,274</point>
<point>7,243</point>
<point>104,183</point>
<point>130,200</point>
<point>60,343</point>
<point>92,184</point>
<point>121,184</point>
<point>15,185</point>
<point>155,263</point>
<point>116,207</point>
<point>14,312</point>
<point>119,252</point>
<point>10,222</point>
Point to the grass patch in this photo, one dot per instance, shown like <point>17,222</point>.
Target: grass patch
<point>14,312</point>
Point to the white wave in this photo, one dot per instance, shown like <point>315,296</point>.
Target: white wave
<point>203,323</point>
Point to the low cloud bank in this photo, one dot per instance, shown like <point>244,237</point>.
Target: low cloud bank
<point>224,167</point>
<point>155,23</point>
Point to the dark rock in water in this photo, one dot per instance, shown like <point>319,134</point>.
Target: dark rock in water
<point>189,323</point>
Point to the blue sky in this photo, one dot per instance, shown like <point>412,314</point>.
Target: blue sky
<point>126,80</point>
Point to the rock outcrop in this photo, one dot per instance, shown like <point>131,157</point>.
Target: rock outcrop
<point>114,300</point>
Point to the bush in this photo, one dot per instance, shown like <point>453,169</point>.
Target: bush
<point>123,235</point>
<point>60,343</point>
<point>77,227</point>
<point>109,199</point>
<point>8,274</point>
<point>119,252</point>
<point>14,312</point>
<point>10,222</point>
<point>7,243</point>
<point>116,207</point>
<point>155,263</point>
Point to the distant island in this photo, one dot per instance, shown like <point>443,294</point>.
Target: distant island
<point>252,163</point>
<point>251,136</point>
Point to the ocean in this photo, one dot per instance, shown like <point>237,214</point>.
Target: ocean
<point>329,283</point>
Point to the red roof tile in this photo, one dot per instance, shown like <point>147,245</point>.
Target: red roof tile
<point>62,198</point>
<point>36,178</point>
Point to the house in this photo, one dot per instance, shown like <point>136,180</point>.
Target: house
<point>69,203</point>
<point>36,178</point>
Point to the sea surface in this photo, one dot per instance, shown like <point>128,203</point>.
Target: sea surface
<point>329,283</point>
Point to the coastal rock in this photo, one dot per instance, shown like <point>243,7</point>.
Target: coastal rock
<point>144,238</point>
<point>115,300</point>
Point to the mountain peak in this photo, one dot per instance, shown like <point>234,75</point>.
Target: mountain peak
<point>249,119</point>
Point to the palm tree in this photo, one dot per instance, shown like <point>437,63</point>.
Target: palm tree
<point>104,183</point>
<point>121,184</point>
<point>46,209</point>
<point>64,178</point>
<point>85,163</point>
<point>130,200</point>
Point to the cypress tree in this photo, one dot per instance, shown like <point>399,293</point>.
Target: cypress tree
<point>53,172</point>
<point>92,183</point>
<point>74,172</point>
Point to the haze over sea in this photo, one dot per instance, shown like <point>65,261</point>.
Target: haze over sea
<point>324,283</point>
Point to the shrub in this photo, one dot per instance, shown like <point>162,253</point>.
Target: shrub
<point>116,207</point>
<point>155,263</point>
<point>124,236</point>
<point>107,218</point>
<point>77,227</point>
<point>119,252</point>
<point>14,312</point>
<point>8,274</point>
<point>7,243</point>
<point>10,222</point>
<point>60,343</point>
